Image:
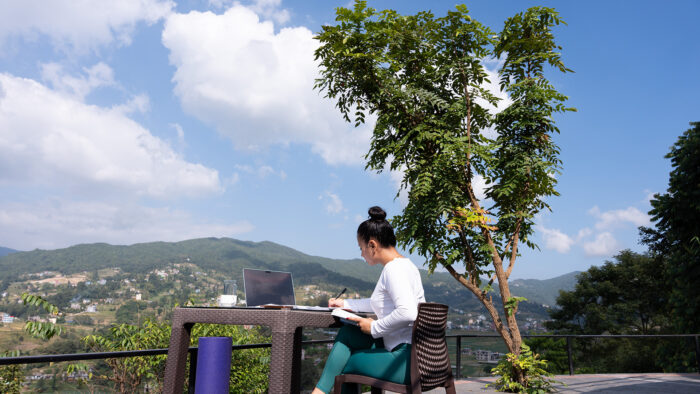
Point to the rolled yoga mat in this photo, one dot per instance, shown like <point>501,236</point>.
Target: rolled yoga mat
<point>213,365</point>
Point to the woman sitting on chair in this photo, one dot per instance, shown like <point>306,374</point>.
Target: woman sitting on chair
<point>378,348</point>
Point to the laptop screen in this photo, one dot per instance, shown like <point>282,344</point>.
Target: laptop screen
<point>268,287</point>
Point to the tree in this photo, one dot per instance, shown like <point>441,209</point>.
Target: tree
<point>128,373</point>
<point>624,296</point>
<point>675,239</point>
<point>423,78</point>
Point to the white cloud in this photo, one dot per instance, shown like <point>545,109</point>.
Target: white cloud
<point>556,240</point>
<point>616,218</point>
<point>180,141</point>
<point>261,172</point>
<point>583,233</point>
<point>78,25</point>
<point>604,244</point>
<point>397,178</point>
<point>56,223</point>
<point>139,103</point>
<point>270,9</point>
<point>479,186</point>
<point>52,139</point>
<point>96,76</point>
<point>333,204</point>
<point>255,86</point>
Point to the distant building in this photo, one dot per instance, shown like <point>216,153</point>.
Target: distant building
<point>91,308</point>
<point>7,318</point>
<point>75,305</point>
<point>102,281</point>
<point>137,297</point>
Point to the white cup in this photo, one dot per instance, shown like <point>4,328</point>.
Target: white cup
<point>228,300</point>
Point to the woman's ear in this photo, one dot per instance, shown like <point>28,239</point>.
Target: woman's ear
<point>372,244</point>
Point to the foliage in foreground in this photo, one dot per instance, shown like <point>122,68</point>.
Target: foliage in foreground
<point>249,368</point>
<point>10,375</point>
<point>537,379</point>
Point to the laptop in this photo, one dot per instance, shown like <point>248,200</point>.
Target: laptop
<point>264,287</point>
<point>272,289</point>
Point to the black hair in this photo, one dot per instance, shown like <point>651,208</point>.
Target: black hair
<point>377,228</point>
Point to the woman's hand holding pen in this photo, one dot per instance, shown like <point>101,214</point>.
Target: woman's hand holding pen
<point>336,302</point>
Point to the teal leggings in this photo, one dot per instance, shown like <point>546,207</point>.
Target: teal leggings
<point>358,353</point>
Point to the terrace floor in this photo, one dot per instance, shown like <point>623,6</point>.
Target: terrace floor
<point>602,383</point>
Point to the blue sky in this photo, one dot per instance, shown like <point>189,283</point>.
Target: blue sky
<point>146,120</point>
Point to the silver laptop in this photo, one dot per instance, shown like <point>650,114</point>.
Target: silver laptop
<point>268,287</point>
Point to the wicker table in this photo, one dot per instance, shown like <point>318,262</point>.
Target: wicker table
<point>285,357</point>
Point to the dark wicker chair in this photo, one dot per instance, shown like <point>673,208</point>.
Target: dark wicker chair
<point>430,362</point>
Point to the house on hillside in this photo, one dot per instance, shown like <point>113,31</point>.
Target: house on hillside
<point>6,318</point>
<point>91,308</point>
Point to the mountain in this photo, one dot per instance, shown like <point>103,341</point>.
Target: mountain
<point>229,256</point>
<point>544,291</point>
<point>5,251</point>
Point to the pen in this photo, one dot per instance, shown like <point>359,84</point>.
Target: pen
<point>341,292</point>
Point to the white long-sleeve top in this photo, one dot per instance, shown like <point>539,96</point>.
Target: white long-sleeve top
<point>395,302</point>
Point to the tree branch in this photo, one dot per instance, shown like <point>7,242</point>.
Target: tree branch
<point>488,303</point>
<point>514,250</point>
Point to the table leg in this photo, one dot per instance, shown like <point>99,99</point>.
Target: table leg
<point>281,360</point>
<point>296,361</point>
<point>177,358</point>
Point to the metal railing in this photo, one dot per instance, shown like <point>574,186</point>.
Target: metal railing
<point>53,358</point>
<point>193,351</point>
<point>569,346</point>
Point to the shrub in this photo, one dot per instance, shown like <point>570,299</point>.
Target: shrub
<point>536,378</point>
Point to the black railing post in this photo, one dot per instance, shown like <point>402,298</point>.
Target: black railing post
<point>697,352</point>
<point>569,354</point>
<point>459,356</point>
<point>193,371</point>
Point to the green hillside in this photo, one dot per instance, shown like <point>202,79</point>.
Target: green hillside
<point>228,257</point>
<point>544,291</point>
<point>5,251</point>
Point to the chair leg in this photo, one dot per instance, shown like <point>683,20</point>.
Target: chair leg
<point>349,388</point>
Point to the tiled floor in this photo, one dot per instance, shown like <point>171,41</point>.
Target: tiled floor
<point>603,383</point>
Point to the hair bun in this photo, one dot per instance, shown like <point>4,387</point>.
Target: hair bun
<point>377,213</point>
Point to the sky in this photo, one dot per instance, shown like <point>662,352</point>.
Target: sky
<point>134,121</point>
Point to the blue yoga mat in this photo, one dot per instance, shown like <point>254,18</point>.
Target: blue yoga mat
<point>213,365</point>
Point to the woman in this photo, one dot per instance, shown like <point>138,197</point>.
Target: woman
<point>378,348</point>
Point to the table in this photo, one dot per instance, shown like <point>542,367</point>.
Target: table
<point>285,357</point>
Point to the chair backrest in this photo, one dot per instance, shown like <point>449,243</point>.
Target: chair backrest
<point>430,361</point>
